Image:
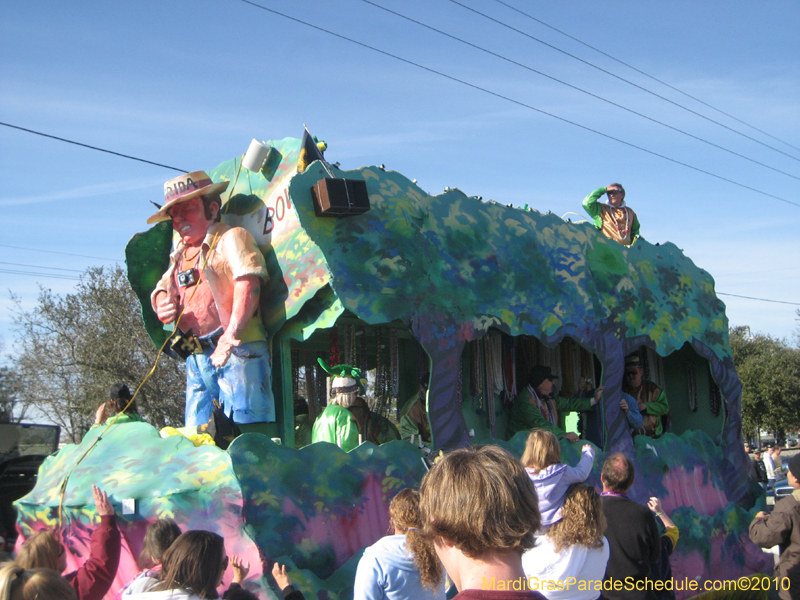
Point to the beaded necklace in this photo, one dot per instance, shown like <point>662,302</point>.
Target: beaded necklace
<point>623,234</point>
<point>544,407</point>
<point>620,494</point>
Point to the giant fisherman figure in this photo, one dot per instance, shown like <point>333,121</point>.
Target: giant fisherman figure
<point>212,288</point>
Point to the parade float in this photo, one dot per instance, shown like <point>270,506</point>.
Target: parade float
<point>400,283</point>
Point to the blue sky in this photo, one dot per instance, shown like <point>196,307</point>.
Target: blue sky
<point>190,84</point>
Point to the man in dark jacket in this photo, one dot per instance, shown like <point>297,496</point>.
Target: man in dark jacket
<point>632,534</point>
<point>782,528</point>
<point>760,469</point>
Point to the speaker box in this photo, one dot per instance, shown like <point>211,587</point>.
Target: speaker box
<point>340,197</point>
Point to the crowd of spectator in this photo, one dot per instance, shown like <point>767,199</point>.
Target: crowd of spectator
<point>483,525</point>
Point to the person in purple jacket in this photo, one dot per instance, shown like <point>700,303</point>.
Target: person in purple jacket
<point>551,477</point>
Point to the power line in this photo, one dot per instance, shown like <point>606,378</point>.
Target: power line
<point>575,87</point>
<point>662,82</point>
<point>518,102</point>
<point>40,267</point>
<point>759,299</point>
<point>61,253</point>
<point>615,76</point>
<point>50,275</point>
<point>60,139</point>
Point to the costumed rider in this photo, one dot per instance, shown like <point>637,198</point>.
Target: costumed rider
<point>336,424</point>
<point>534,408</point>
<point>212,287</point>
<point>414,425</point>
<point>372,427</point>
<point>119,403</point>
<point>651,399</point>
<point>630,408</point>
<point>615,220</point>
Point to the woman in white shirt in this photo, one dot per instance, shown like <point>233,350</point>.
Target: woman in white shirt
<point>569,562</point>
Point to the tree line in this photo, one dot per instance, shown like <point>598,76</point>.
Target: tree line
<point>75,347</point>
<point>769,369</point>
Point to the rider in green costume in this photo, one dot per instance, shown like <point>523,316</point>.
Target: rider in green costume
<point>615,220</point>
<point>534,409</point>
<point>336,424</point>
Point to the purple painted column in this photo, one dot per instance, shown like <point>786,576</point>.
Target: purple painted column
<point>444,346</point>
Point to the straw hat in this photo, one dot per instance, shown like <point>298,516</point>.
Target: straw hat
<point>186,187</point>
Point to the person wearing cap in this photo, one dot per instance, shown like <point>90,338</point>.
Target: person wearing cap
<point>615,220</point>
<point>533,408</point>
<point>782,528</point>
<point>759,469</point>
<point>414,416</point>
<point>212,288</point>
<point>119,403</point>
<point>336,424</point>
<point>652,400</point>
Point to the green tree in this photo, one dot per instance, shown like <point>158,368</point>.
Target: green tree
<point>11,411</point>
<point>76,346</point>
<point>797,331</point>
<point>769,370</point>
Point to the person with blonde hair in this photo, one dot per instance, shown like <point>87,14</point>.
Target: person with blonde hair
<point>551,477</point>
<point>17,583</point>
<point>93,579</point>
<point>387,570</point>
<point>479,511</point>
<point>574,550</point>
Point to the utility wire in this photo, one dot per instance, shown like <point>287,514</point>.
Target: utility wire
<point>574,87</point>
<point>40,267</point>
<point>61,253</point>
<point>662,82</point>
<point>60,139</point>
<point>586,62</point>
<point>517,102</point>
<point>759,299</point>
<point>50,275</point>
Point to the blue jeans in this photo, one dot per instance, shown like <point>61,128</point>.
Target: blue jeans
<point>243,386</point>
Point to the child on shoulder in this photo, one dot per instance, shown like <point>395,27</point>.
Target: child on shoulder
<point>551,477</point>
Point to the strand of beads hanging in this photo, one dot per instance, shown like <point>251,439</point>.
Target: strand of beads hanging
<point>715,397</point>
<point>334,347</point>
<point>459,390</point>
<point>395,358</point>
<point>692,386</point>
<point>490,383</point>
<point>295,372</point>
